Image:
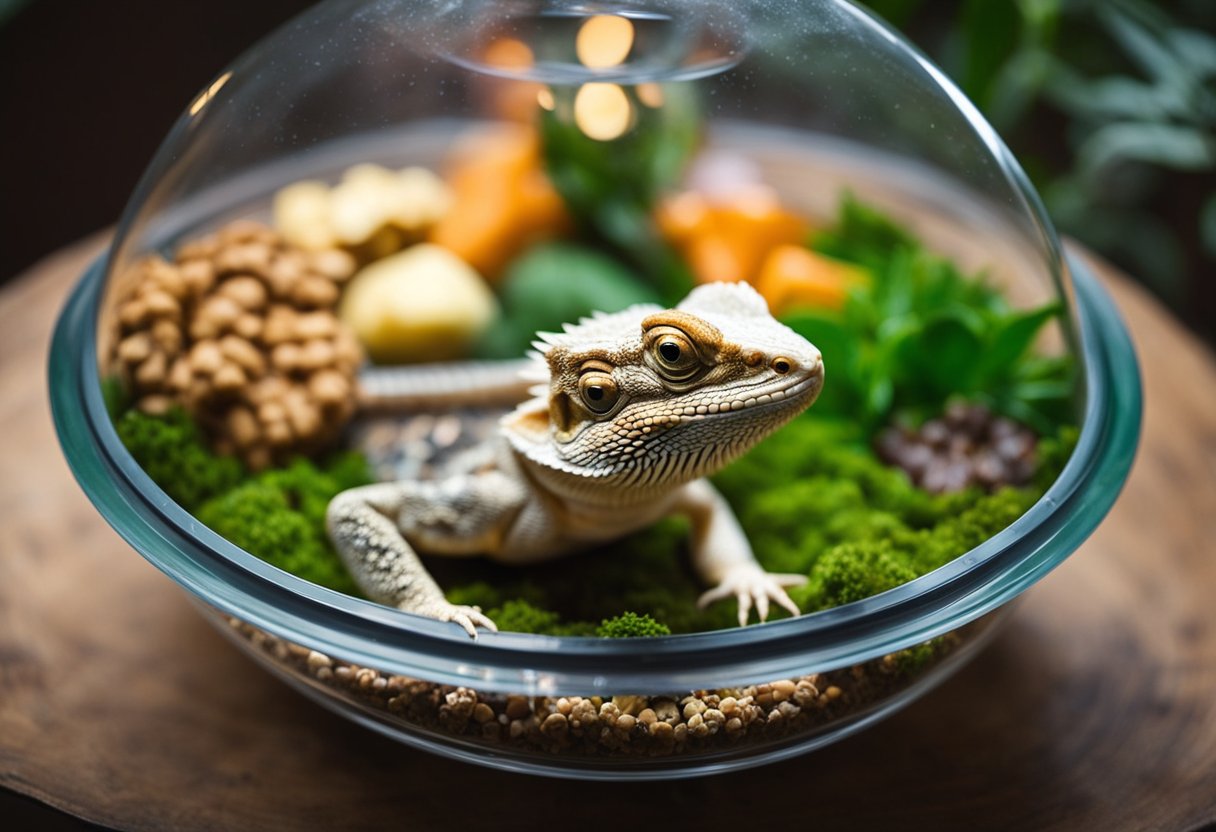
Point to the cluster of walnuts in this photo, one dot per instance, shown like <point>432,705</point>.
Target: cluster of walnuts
<point>240,329</point>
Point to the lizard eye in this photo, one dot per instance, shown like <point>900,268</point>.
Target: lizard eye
<point>674,353</point>
<point>600,393</point>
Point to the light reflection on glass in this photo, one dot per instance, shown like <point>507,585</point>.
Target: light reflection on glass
<point>206,95</point>
<point>604,40</point>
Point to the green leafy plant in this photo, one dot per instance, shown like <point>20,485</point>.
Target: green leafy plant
<point>1131,128</point>
<point>1111,107</point>
<point>610,187</point>
<point>922,332</point>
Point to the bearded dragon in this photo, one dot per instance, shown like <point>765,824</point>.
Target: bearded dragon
<point>630,412</point>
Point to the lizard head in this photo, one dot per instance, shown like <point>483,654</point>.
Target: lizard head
<point>651,394</point>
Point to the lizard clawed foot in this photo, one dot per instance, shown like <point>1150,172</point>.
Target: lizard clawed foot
<point>468,617</point>
<point>752,585</point>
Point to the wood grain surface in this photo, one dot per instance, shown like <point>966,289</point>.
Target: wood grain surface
<point>1094,709</point>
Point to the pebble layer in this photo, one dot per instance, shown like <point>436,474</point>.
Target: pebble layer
<point>623,725</point>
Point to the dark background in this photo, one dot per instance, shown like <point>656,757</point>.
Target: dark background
<point>90,88</point>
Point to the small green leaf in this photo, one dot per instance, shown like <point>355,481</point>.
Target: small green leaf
<point>1168,145</point>
<point>841,351</point>
<point>953,347</point>
<point>1115,97</point>
<point>1142,45</point>
<point>1011,339</point>
<point>863,236</point>
<point>1195,49</point>
<point>879,398</point>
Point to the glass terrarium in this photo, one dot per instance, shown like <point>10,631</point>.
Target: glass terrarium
<point>352,258</point>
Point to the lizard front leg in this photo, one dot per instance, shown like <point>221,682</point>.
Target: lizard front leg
<point>373,528</point>
<point>723,557</point>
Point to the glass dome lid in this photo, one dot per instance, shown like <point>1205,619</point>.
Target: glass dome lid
<point>398,81</point>
<point>635,106</point>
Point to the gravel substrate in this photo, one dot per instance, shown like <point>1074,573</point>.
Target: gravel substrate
<point>691,722</point>
<point>968,445</point>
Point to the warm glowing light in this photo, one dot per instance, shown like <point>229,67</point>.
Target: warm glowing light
<point>650,94</point>
<point>208,94</point>
<point>509,53</point>
<point>544,97</point>
<point>602,111</point>
<point>604,40</point>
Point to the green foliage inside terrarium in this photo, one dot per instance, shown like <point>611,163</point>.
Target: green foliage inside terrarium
<point>905,342</point>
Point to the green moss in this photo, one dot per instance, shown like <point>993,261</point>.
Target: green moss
<point>1053,453</point>
<point>477,594</point>
<point>114,394</point>
<point>812,499</point>
<point>911,661</point>
<point>279,516</point>
<point>174,454</point>
<point>955,535</point>
<point>519,616</point>
<point>631,625</point>
<point>850,572</point>
<point>260,519</point>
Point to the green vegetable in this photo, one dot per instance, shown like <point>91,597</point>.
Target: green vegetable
<point>922,332</point>
<point>610,187</point>
<point>553,284</point>
<point>279,516</point>
<point>172,451</point>
<point>631,625</point>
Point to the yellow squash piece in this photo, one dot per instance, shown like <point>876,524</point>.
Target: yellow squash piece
<point>423,304</point>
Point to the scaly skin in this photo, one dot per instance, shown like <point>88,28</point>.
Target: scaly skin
<point>636,409</point>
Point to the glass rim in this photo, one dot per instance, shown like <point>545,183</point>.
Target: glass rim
<point>366,633</point>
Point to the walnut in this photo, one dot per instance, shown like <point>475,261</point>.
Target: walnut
<point>371,213</point>
<point>240,330</point>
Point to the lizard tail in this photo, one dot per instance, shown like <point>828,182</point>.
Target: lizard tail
<point>454,384</point>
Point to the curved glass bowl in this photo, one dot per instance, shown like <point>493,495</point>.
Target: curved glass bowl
<point>820,98</point>
<point>356,657</point>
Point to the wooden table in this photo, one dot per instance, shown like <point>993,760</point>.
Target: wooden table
<point>1095,708</point>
